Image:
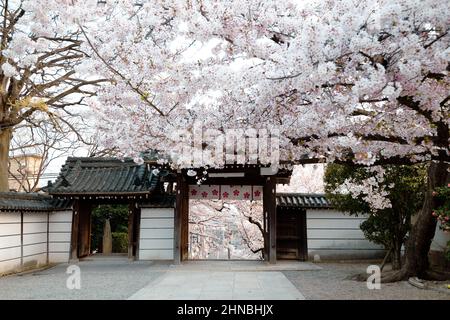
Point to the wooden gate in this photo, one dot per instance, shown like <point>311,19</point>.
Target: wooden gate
<point>291,234</point>
<point>84,230</point>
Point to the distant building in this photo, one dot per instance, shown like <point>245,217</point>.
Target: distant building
<point>24,171</point>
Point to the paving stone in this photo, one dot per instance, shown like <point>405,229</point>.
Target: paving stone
<point>232,285</point>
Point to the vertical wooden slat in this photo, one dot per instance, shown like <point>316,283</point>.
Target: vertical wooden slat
<point>74,235</point>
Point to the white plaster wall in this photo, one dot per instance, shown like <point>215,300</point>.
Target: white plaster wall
<point>33,252</point>
<point>34,239</point>
<point>60,229</point>
<point>335,235</point>
<point>156,234</point>
<point>15,255</point>
<point>9,242</point>
<point>440,240</point>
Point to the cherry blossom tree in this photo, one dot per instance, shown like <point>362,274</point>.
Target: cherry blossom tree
<point>306,178</point>
<point>220,229</point>
<point>363,82</point>
<point>40,64</point>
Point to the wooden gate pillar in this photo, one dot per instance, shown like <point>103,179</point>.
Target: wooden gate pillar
<point>131,230</point>
<point>270,212</point>
<point>181,221</point>
<point>74,234</point>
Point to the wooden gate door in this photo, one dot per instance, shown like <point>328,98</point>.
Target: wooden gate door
<point>291,234</point>
<point>84,230</point>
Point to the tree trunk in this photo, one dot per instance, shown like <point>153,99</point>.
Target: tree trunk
<point>396,256</point>
<point>5,140</point>
<point>422,231</point>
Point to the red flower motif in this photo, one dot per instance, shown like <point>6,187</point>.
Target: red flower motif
<point>215,192</point>
<point>193,192</point>
<point>236,193</point>
<point>257,193</point>
<point>246,195</point>
<point>204,194</point>
<point>225,194</point>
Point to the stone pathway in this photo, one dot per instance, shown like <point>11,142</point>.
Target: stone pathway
<point>219,285</point>
<point>244,265</point>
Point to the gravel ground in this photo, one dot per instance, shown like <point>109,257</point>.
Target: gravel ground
<point>330,284</point>
<point>119,279</point>
<point>102,280</point>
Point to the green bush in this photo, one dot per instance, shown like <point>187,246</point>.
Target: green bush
<point>442,212</point>
<point>120,242</point>
<point>118,218</point>
<point>405,186</point>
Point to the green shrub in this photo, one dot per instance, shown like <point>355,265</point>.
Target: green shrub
<point>120,242</point>
<point>442,212</point>
<point>118,218</point>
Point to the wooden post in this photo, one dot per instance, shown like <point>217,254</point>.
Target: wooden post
<point>74,234</point>
<point>269,207</point>
<point>137,231</point>
<point>131,210</point>
<point>48,238</point>
<point>266,232</point>
<point>21,239</point>
<point>177,237</point>
<point>304,236</point>
<point>185,222</point>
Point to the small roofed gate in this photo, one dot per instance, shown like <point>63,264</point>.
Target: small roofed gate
<point>291,234</point>
<point>292,238</point>
<point>251,177</point>
<point>93,181</point>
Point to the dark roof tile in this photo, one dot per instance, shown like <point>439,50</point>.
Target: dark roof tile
<point>103,176</point>
<point>302,200</point>
<point>35,202</point>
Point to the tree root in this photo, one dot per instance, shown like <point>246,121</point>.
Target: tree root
<point>386,277</point>
<point>394,276</point>
<point>360,277</point>
<point>402,275</point>
<point>437,275</point>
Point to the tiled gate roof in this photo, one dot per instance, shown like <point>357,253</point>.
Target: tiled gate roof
<point>35,202</point>
<point>302,200</point>
<point>103,176</point>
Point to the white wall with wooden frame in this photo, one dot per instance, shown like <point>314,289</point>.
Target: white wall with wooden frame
<point>156,234</point>
<point>33,239</point>
<point>333,234</point>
